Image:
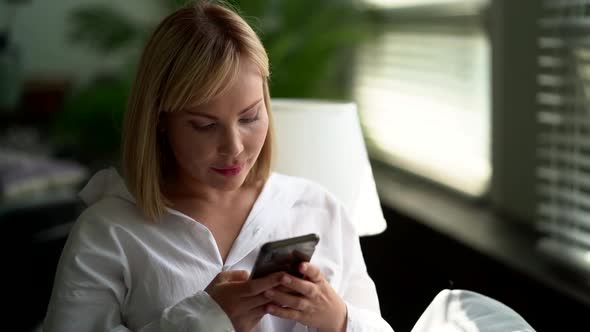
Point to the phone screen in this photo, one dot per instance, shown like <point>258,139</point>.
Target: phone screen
<point>285,255</point>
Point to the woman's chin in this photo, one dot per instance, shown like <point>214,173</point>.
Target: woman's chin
<point>224,182</point>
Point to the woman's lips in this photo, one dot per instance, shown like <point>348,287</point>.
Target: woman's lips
<point>228,171</point>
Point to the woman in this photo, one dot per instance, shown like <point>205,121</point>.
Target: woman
<point>168,246</point>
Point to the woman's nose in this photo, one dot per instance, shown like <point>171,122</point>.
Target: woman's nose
<point>231,143</point>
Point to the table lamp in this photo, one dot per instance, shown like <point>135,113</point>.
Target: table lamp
<point>322,141</point>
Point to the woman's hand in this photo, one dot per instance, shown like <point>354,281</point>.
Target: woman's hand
<point>242,299</point>
<point>317,304</point>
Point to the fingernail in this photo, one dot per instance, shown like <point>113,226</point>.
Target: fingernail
<point>303,267</point>
<point>286,280</point>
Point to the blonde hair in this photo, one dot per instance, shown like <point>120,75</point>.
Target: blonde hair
<point>192,57</point>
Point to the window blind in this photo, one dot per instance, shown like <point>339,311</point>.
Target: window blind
<point>563,141</point>
<point>423,94</point>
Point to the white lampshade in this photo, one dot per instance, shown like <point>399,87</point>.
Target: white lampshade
<point>323,142</point>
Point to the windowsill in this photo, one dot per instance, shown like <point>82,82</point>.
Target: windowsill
<point>509,242</point>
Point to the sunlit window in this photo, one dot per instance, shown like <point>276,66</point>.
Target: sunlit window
<point>423,89</point>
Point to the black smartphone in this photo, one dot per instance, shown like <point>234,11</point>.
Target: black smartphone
<point>285,255</point>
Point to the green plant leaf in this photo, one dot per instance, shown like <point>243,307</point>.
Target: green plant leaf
<point>91,120</point>
<point>309,43</point>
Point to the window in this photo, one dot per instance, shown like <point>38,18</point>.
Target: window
<point>423,89</point>
<point>428,98</point>
<point>563,141</point>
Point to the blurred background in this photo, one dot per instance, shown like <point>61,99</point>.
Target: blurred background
<point>475,113</point>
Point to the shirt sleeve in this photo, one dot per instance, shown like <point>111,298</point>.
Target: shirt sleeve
<point>358,289</point>
<point>91,283</point>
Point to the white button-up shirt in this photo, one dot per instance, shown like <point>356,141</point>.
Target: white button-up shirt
<point>118,272</point>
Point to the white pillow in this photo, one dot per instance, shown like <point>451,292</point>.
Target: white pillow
<point>466,311</point>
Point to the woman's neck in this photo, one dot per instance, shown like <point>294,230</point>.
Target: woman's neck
<point>185,190</point>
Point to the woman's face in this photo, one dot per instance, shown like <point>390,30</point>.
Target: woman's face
<point>217,143</point>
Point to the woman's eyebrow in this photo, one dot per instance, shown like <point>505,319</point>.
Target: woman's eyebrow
<point>209,116</point>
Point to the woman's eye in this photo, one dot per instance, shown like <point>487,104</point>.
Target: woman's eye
<point>207,126</point>
<point>249,120</point>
